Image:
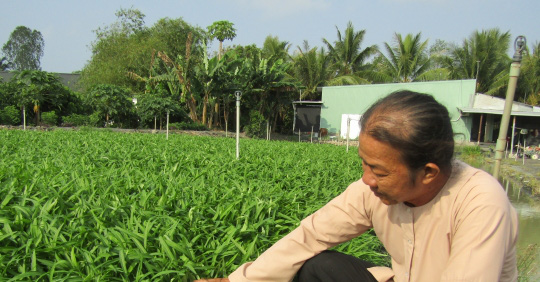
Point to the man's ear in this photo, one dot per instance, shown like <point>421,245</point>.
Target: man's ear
<point>430,172</point>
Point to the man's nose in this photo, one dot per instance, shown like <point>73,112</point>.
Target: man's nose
<point>369,178</point>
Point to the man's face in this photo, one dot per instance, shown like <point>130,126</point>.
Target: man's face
<point>386,174</point>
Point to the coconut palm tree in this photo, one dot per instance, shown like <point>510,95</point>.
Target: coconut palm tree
<point>529,80</point>
<point>310,68</point>
<point>483,56</point>
<point>275,49</point>
<point>346,53</point>
<point>406,61</point>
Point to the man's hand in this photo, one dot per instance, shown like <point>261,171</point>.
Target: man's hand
<point>213,280</point>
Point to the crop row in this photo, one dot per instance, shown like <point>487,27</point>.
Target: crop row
<point>106,206</point>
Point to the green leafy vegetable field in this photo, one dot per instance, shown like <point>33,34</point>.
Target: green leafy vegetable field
<point>105,206</point>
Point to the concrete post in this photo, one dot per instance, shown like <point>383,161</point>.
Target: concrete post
<point>519,46</point>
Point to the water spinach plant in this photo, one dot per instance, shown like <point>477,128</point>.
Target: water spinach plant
<point>105,206</point>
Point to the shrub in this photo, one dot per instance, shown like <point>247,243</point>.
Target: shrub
<point>10,115</point>
<point>473,151</point>
<point>75,120</point>
<point>257,125</point>
<point>49,118</point>
<point>95,119</point>
<point>187,126</point>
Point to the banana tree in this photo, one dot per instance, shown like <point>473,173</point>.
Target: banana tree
<point>160,88</point>
<point>208,75</point>
<point>265,82</point>
<point>183,69</point>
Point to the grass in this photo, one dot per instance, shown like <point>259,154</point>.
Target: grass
<point>471,154</point>
<point>527,264</point>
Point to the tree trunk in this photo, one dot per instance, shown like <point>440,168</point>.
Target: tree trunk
<point>216,115</point>
<point>226,113</point>
<point>24,117</point>
<point>36,112</point>
<point>273,129</point>
<point>205,108</point>
<point>192,105</point>
<point>226,118</point>
<point>220,49</point>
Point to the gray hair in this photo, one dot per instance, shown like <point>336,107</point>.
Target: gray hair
<point>415,124</point>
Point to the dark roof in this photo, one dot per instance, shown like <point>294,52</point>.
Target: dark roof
<point>306,102</point>
<point>68,79</point>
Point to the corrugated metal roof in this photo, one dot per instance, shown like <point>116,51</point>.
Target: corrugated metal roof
<point>498,112</point>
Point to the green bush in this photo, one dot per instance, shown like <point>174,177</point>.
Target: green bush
<point>10,115</point>
<point>49,118</point>
<point>473,151</point>
<point>95,119</point>
<point>257,125</point>
<point>187,126</point>
<point>75,120</point>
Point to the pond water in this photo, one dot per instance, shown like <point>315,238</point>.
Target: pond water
<point>529,218</point>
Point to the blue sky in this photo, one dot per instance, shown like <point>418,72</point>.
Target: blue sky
<point>67,25</point>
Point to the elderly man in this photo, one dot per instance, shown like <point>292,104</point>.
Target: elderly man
<point>438,218</point>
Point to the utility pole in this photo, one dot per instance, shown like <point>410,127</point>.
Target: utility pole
<point>238,95</point>
<point>519,46</point>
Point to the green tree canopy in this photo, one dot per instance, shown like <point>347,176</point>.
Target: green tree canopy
<point>347,54</point>
<point>222,30</point>
<point>275,49</point>
<point>111,101</point>
<point>4,64</point>
<point>483,56</point>
<point>45,92</point>
<point>529,79</point>
<point>24,49</point>
<point>156,103</point>
<point>407,58</point>
<point>310,67</point>
<point>127,46</point>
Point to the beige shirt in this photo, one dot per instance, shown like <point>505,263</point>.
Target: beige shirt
<point>468,232</point>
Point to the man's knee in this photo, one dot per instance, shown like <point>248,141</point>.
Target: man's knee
<point>322,262</point>
<point>335,266</point>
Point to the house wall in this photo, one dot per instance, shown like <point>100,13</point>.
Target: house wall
<point>340,100</point>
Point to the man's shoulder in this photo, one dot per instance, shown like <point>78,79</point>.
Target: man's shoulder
<point>477,187</point>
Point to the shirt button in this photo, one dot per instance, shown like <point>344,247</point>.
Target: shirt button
<point>408,210</point>
<point>406,274</point>
<point>409,241</point>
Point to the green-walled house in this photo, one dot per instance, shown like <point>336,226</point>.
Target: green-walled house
<point>475,117</point>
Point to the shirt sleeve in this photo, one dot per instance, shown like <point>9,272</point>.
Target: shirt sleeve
<point>483,242</point>
<point>340,220</point>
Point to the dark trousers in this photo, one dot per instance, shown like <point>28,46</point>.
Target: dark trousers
<point>330,266</point>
